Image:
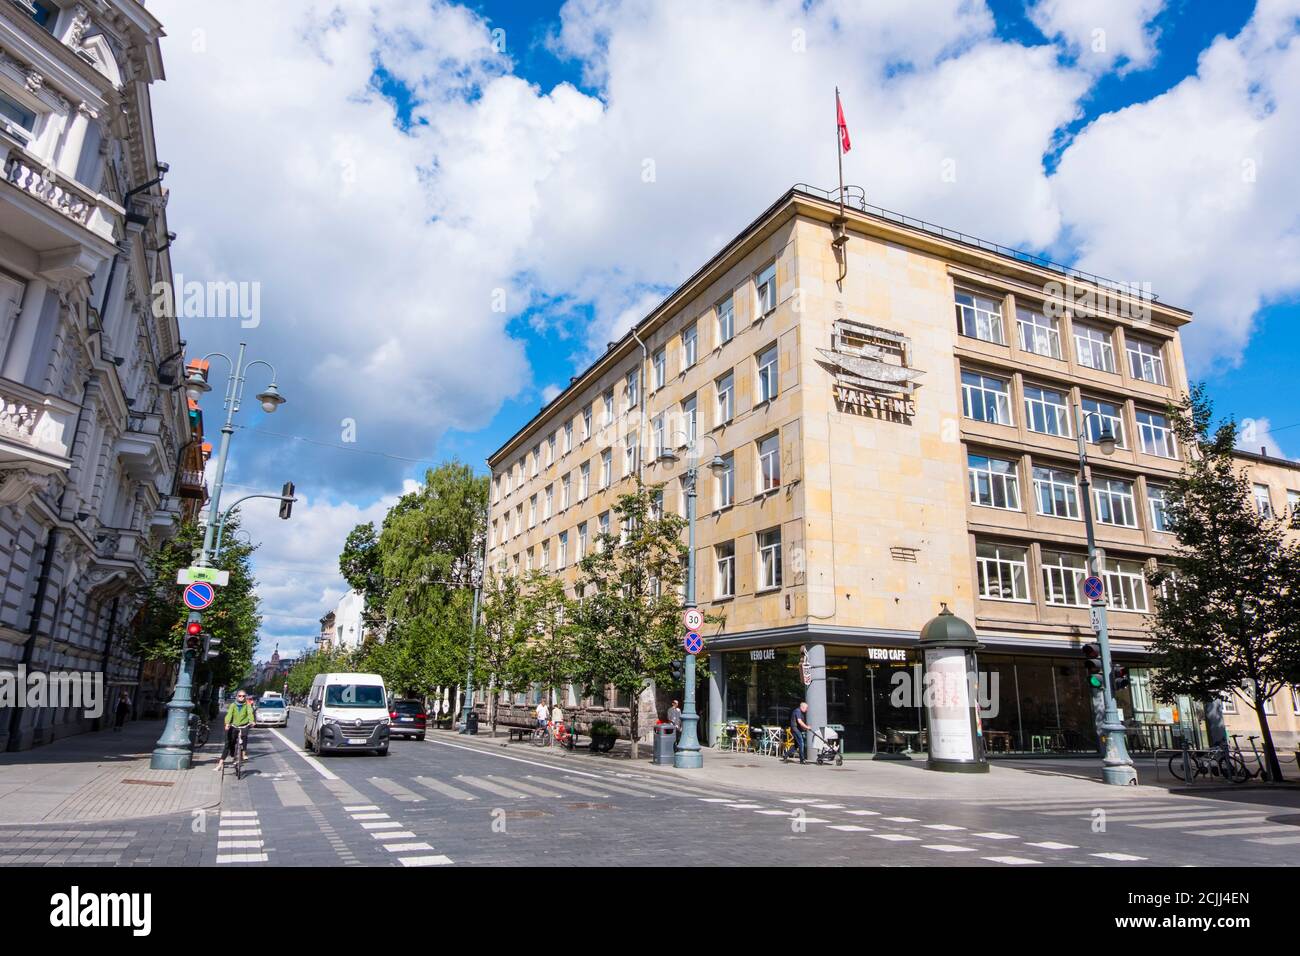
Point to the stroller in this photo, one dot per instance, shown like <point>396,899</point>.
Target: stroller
<point>831,745</point>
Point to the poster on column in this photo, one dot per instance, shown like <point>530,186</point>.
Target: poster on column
<point>947,692</point>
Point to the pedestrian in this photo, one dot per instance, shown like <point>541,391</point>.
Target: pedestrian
<point>123,708</point>
<point>675,718</point>
<point>543,715</point>
<point>799,728</point>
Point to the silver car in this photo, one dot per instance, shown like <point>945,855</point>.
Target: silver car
<point>270,713</point>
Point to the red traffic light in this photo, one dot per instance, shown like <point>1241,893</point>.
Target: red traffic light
<point>194,628</point>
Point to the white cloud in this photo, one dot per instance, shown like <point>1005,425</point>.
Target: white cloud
<point>1256,435</point>
<point>1101,34</point>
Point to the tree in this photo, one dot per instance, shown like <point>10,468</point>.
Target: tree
<point>551,651</point>
<point>318,662</point>
<point>501,647</point>
<point>1225,617</point>
<point>360,564</point>
<point>627,618</point>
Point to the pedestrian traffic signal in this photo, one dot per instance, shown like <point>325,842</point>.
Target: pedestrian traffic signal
<point>679,671</point>
<point>1119,678</point>
<point>286,500</point>
<point>1092,663</point>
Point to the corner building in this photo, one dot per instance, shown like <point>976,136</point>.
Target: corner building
<point>895,404</point>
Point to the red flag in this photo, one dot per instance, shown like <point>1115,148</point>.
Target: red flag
<point>844,127</point>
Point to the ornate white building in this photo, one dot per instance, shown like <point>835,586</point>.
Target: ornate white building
<point>93,429</point>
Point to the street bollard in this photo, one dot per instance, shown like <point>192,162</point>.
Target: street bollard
<point>1187,763</point>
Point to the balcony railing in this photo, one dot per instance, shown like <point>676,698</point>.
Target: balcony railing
<point>39,423</point>
<point>60,192</point>
<point>192,485</point>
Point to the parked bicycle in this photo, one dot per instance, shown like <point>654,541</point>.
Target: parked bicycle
<point>1219,761</point>
<point>541,736</point>
<point>1260,771</point>
<point>199,731</point>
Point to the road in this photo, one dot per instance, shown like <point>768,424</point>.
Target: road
<point>456,801</point>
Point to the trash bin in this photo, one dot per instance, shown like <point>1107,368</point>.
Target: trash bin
<point>471,722</point>
<point>665,740</point>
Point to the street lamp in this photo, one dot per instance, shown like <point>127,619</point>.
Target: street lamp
<point>688,755</point>
<point>172,751</point>
<point>1117,765</point>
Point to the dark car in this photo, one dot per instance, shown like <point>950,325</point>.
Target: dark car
<point>408,719</point>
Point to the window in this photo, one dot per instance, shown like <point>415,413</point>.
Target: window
<point>584,480</point>
<point>16,113</point>
<point>1003,571</point>
<point>1039,333</point>
<point>690,345</point>
<point>1063,576</point>
<point>1263,501</point>
<point>568,437</point>
<point>1109,414</point>
<point>1125,585</point>
<point>532,511</point>
<point>726,320</point>
<point>44,13</point>
<point>765,289</point>
<point>528,560</point>
<point>1155,437</point>
<point>544,549</point>
<point>537,460</point>
<point>519,519</point>
<point>726,480</point>
<point>562,551</point>
<point>979,317</point>
<point>1114,498</point>
<point>630,388</point>
<point>660,362</point>
<point>660,435</point>
<point>550,449</point>
<point>631,453</point>
<point>769,559</point>
<point>985,398</point>
<point>767,369</point>
<point>1094,348</point>
<point>604,523</point>
<point>606,467</point>
<point>1057,492</point>
<point>548,504</point>
<point>690,418</point>
<point>993,482</point>
<point>608,399</point>
<point>1047,411</point>
<point>656,507</point>
<point>724,555</point>
<point>769,463</point>
<point>1229,700</point>
<point>586,423</point>
<point>726,389</point>
<point>582,541</point>
<point>1159,507</point>
<point>566,498</point>
<point>1145,361</point>
<point>1293,503</point>
<point>492,535</point>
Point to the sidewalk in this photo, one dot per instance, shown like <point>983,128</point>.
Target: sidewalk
<point>104,776</point>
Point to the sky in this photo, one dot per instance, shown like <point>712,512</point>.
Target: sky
<point>439,212</point>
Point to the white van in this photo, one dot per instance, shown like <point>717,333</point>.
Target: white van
<point>347,712</point>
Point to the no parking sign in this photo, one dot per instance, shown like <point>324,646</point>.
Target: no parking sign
<point>199,596</point>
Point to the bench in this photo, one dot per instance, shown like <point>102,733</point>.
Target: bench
<point>520,733</point>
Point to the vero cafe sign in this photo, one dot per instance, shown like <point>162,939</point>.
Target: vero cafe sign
<point>873,371</point>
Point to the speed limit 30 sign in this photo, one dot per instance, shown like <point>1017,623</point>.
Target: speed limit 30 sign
<point>693,618</point>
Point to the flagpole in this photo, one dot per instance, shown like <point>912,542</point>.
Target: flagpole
<point>839,152</point>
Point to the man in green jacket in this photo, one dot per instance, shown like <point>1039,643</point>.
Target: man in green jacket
<point>239,717</point>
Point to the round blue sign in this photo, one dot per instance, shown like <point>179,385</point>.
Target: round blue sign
<point>199,595</point>
<point>1093,587</point>
<point>693,643</point>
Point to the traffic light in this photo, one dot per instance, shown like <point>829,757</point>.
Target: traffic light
<point>211,646</point>
<point>679,671</point>
<point>192,631</point>
<point>1092,664</point>
<point>286,500</point>
<point>1119,678</point>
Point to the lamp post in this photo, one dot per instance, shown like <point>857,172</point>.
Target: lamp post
<point>172,751</point>
<point>1117,766</point>
<point>688,755</point>
<point>468,704</point>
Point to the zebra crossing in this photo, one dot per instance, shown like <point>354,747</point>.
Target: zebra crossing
<point>63,847</point>
<point>239,838</point>
<point>390,834</point>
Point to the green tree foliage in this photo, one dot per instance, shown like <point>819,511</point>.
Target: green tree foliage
<point>627,620</point>
<point>501,647</point>
<point>318,662</point>
<point>550,656</point>
<point>360,566</point>
<point>233,616</point>
<point>1225,612</point>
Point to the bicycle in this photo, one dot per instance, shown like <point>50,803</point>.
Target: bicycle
<point>1217,762</point>
<point>199,731</point>
<point>239,752</point>
<point>1262,771</point>
<point>541,736</point>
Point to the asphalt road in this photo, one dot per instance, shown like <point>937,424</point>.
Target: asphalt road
<point>473,802</point>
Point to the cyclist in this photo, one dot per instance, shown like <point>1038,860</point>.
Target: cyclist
<point>239,717</point>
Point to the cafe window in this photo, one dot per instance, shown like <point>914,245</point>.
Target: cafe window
<point>994,482</point>
<point>1003,571</point>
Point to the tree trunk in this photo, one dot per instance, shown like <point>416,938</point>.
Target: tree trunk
<point>492,707</point>
<point>1270,752</point>
<point>634,723</point>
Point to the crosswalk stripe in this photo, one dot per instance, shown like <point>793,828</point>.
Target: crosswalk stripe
<point>654,789</point>
<point>1275,841</point>
<point>1243,831</point>
<point>1052,845</point>
<point>395,789</point>
<point>406,847</point>
<point>1083,812</point>
<point>666,782</point>
<point>744,806</point>
<point>863,813</point>
<point>291,793</point>
<point>941,826</point>
<point>1011,860</point>
<point>490,787</point>
<point>446,789</point>
<point>1119,857</point>
<point>525,787</point>
<point>383,835</point>
<point>715,799</point>
<point>241,858</point>
<point>900,819</point>
<point>628,791</point>
<point>238,813</point>
<point>388,825</point>
<point>1163,815</point>
<point>238,844</point>
<point>850,828</point>
<point>368,806</point>
<point>1187,822</point>
<point>424,860</point>
<point>948,848</point>
<point>570,787</point>
<point>776,813</point>
<point>994,835</point>
<point>222,834</point>
<point>370,816</point>
<point>896,837</point>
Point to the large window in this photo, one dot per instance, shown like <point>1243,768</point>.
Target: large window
<point>726,320</point>
<point>993,482</point>
<point>660,362</point>
<point>586,423</point>
<point>631,387</point>
<point>769,463</point>
<point>986,399</point>
<point>1003,571</point>
<point>1098,413</point>
<point>724,585</point>
<point>584,480</point>
<point>769,559</point>
<point>631,453</point>
<point>1126,588</point>
<point>690,345</point>
<point>1155,437</point>
<point>606,468</point>
<point>1039,333</point>
<point>1063,576</point>
<point>765,289</point>
<point>562,552</point>
<point>1159,507</point>
<point>548,507</point>
<point>1047,411</point>
<point>532,510</point>
<point>1263,501</point>
<point>1094,348</point>
<point>726,388</point>
<point>690,418</point>
<point>980,317</point>
<point>568,436</point>
<point>582,542</point>
<point>1057,492</point>
<point>726,480</point>
<point>566,492</point>
<point>1114,497</point>
<point>608,400</point>
<point>1145,360</point>
<point>767,369</point>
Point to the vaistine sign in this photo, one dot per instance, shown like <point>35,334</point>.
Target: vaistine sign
<point>873,371</point>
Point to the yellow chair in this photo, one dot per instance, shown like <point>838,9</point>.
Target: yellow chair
<point>743,743</point>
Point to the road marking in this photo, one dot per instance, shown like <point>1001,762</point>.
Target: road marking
<point>849,828</point>
<point>222,834</point>
<point>1242,831</point>
<point>628,791</point>
<point>948,848</point>
<point>714,799</point>
<point>1167,809</point>
<point>425,860</point>
<point>745,806</point>
<point>1120,857</point>
<point>393,835</point>
<point>238,813</point>
<point>896,837</point>
<point>828,806</point>
<point>315,764</point>
<point>798,800</point>
<point>291,793</point>
<point>863,813</point>
<point>1140,817</point>
<point>490,787</point>
<point>241,858</point>
<point>395,789</point>
<point>406,847</point>
<point>390,825</point>
<point>1275,841</point>
<point>775,813</point>
<point>814,820</point>
<point>370,816</point>
<point>1011,860</point>
<point>994,835</point>
<point>545,766</point>
<point>446,789</point>
<point>239,844</point>
<point>900,819</point>
<point>1227,818</point>
<point>1050,845</point>
<point>368,806</point>
<point>941,826</point>
<point>571,787</point>
<point>525,787</point>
